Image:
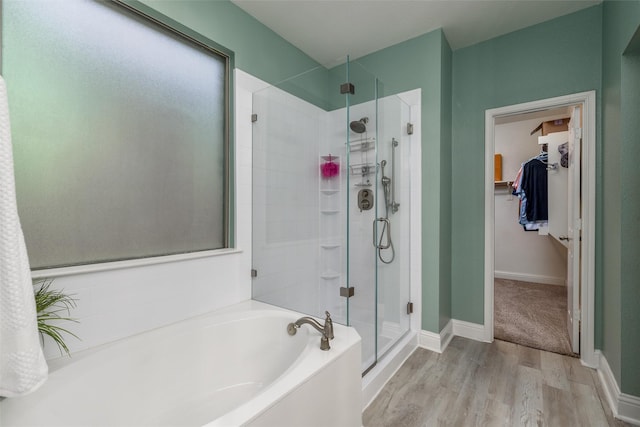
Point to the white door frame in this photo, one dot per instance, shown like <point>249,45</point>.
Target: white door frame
<point>587,270</point>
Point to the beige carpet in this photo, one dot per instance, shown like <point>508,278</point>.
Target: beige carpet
<point>532,314</point>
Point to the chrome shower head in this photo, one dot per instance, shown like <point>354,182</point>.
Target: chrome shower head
<point>359,126</point>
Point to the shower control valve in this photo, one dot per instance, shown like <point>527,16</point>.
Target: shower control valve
<point>365,199</point>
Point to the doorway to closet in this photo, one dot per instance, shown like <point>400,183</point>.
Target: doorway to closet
<point>539,258</point>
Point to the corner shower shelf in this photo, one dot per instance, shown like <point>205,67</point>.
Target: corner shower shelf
<point>330,208</point>
<point>330,245</point>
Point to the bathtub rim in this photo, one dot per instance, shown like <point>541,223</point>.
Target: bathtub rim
<point>250,306</point>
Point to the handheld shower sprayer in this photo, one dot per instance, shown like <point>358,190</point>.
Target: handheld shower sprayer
<point>386,182</point>
<point>386,225</point>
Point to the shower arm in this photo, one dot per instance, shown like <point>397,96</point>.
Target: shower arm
<point>394,205</point>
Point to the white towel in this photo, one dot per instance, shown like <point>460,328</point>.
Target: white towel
<point>22,364</point>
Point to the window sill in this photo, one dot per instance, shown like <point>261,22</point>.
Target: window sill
<point>118,265</point>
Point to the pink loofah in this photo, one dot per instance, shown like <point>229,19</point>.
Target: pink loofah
<point>329,169</point>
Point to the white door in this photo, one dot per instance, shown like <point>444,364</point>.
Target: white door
<point>574,223</point>
<point>558,181</point>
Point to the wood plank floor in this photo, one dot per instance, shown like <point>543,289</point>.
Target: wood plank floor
<point>497,384</point>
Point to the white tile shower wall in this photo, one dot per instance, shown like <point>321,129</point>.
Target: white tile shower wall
<point>393,278</point>
<point>286,141</point>
<point>118,303</point>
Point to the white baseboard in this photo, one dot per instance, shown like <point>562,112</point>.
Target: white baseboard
<point>429,340</point>
<point>624,406</point>
<point>533,278</point>
<point>446,335</point>
<point>436,342</point>
<point>469,330</point>
<point>455,328</point>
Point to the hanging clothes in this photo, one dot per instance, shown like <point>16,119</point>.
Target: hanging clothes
<point>531,188</point>
<point>535,186</point>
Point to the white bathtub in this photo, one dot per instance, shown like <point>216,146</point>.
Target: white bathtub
<point>237,366</point>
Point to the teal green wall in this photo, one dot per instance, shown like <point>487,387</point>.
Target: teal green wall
<point>621,218</point>
<point>555,58</point>
<point>421,63</point>
<point>630,289</point>
<point>445,184</point>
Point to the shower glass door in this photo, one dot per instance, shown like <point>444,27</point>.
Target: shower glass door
<point>378,201</point>
<point>362,204</point>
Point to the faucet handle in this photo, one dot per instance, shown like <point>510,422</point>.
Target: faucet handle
<point>328,326</point>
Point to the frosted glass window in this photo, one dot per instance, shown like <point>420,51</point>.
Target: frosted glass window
<point>120,133</point>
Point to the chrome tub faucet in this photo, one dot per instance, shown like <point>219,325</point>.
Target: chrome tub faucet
<point>326,330</point>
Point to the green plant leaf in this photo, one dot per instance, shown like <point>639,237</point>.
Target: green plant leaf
<point>49,306</point>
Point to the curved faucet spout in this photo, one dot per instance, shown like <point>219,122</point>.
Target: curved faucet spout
<point>310,321</point>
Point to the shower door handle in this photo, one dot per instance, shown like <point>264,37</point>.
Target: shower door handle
<point>387,228</point>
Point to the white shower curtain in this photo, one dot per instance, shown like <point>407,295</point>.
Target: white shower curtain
<point>22,364</point>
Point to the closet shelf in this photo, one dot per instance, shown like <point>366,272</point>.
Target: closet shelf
<point>503,183</point>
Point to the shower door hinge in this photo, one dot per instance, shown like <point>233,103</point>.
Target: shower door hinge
<point>347,88</point>
<point>254,272</point>
<point>409,128</point>
<point>409,307</point>
<point>254,118</point>
<point>347,292</point>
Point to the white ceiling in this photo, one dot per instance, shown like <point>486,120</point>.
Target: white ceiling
<point>329,30</point>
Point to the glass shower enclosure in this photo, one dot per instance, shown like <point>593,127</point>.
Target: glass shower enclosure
<point>331,202</point>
